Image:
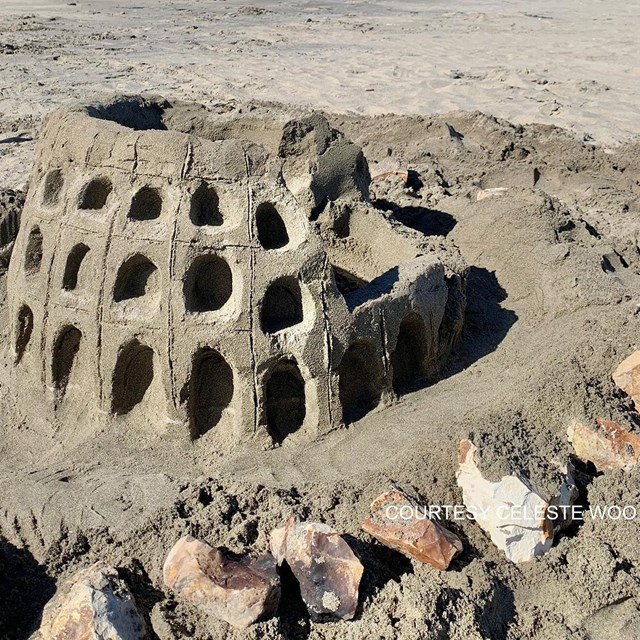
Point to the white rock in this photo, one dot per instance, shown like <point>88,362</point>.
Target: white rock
<point>94,604</point>
<point>495,192</point>
<point>510,511</point>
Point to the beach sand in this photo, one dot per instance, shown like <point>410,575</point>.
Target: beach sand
<point>552,304</point>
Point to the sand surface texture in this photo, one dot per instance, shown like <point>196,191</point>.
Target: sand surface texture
<point>575,64</point>
<point>552,307</point>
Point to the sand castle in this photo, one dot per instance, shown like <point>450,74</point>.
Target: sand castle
<point>218,273</point>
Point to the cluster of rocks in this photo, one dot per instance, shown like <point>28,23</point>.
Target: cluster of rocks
<point>242,590</point>
<point>612,446</point>
<point>518,518</point>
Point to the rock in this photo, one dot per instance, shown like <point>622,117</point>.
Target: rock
<point>410,531</point>
<point>610,448</point>
<point>94,603</point>
<point>627,377</point>
<point>161,624</point>
<point>510,511</point>
<point>239,592</point>
<point>322,562</point>
<point>401,174</point>
<point>496,192</point>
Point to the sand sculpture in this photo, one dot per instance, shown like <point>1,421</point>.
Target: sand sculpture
<point>218,273</point>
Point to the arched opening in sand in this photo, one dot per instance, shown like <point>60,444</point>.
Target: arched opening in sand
<point>137,277</point>
<point>341,223</point>
<point>409,360</point>
<point>146,204</point>
<point>282,305</point>
<point>95,193</point>
<point>33,253</point>
<point>361,377</point>
<point>53,183</point>
<point>73,265</point>
<point>64,355</point>
<point>208,284</point>
<point>272,232</point>
<point>132,376</point>
<point>284,400</point>
<point>205,207</point>
<point>211,390</point>
<point>24,329</point>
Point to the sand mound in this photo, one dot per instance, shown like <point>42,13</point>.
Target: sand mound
<point>554,273</point>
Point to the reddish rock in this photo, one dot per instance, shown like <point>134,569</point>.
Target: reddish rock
<point>627,377</point>
<point>322,562</point>
<point>239,592</point>
<point>610,448</point>
<point>400,523</point>
<point>94,603</point>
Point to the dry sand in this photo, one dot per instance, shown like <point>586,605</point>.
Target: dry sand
<point>574,64</point>
<point>553,305</point>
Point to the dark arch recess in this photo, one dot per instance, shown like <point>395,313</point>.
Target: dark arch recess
<point>284,400</point>
<point>146,204</point>
<point>361,377</point>
<point>208,284</point>
<point>132,376</point>
<point>272,232</point>
<point>205,207</point>
<point>409,360</point>
<point>282,305</point>
<point>24,329</point>
<point>211,390</point>
<point>95,193</point>
<point>73,265</point>
<point>53,183</point>
<point>136,278</point>
<point>64,356</point>
<point>33,253</point>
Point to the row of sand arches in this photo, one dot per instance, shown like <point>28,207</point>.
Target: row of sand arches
<point>147,204</point>
<point>211,385</point>
<point>208,284</point>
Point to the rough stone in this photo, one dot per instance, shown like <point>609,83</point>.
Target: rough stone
<point>410,531</point>
<point>610,448</point>
<point>496,192</point>
<point>510,510</point>
<point>627,377</point>
<point>324,565</point>
<point>94,604</point>
<point>238,591</point>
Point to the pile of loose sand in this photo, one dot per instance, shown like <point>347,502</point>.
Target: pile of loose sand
<point>553,290</point>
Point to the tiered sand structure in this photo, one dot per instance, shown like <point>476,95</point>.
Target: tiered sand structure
<point>218,273</point>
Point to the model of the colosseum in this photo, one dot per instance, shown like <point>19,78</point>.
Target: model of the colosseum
<point>218,273</point>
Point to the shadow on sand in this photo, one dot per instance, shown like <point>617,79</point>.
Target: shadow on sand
<point>25,588</point>
<point>486,322</point>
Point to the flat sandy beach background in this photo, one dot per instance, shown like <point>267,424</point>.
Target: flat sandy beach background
<point>573,63</point>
